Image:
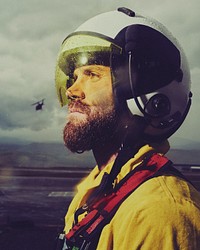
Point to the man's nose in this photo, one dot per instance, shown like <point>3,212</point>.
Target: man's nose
<point>74,93</point>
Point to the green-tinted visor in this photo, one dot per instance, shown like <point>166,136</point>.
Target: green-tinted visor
<point>78,50</point>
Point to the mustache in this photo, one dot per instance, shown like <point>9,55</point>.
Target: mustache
<point>78,106</point>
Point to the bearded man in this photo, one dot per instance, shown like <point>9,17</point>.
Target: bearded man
<point>127,85</point>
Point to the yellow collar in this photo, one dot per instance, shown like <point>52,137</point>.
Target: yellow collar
<point>95,177</point>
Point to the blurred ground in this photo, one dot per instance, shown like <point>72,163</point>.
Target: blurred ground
<point>33,203</point>
<point>28,237</point>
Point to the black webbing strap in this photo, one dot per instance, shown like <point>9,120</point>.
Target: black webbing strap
<point>171,170</point>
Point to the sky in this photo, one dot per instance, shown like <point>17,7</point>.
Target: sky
<point>31,32</point>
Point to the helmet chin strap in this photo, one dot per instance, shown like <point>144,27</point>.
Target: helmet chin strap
<point>131,83</point>
<point>131,143</point>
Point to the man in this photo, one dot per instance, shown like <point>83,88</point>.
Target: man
<point>127,85</point>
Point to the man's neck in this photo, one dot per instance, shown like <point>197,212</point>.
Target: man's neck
<point>104,154</point>
<point>107,152</point>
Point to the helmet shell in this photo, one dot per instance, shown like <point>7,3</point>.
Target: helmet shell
<point>163,98</point>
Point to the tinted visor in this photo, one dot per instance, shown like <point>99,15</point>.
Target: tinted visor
<point>79,50</point>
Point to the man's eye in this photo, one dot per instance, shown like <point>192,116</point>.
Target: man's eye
<point>92,74</point>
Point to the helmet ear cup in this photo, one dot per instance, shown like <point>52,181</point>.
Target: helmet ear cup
<point>158,106</point>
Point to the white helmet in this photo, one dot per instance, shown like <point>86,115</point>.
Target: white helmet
<point>149,69</point>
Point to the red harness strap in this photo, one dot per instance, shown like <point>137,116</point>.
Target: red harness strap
<point>102,211</point>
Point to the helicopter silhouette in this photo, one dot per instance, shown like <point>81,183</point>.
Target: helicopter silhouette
<point>39,104</point>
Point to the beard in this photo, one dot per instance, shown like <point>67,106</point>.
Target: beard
<point>92,125</point>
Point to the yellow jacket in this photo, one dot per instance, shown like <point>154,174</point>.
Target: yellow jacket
<point>163,213</point>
